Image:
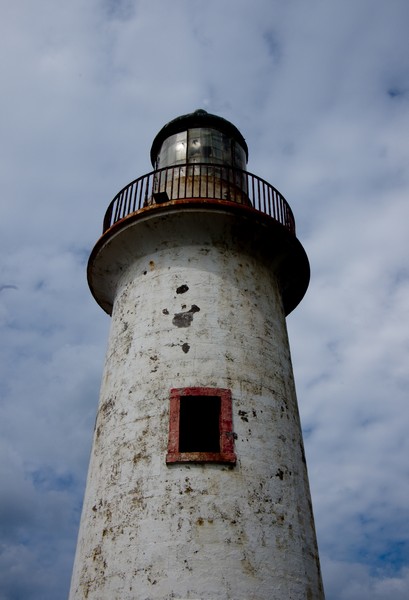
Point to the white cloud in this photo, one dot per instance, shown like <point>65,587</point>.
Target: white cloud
<point>354,581</point>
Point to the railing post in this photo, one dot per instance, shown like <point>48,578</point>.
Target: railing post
<point>107,219</point>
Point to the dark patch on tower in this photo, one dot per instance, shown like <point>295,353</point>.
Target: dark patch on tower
<point>184,319</point>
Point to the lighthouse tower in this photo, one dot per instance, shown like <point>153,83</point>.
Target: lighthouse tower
<point>197,485</point>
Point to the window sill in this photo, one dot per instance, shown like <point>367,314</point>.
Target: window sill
<point>201,457</point>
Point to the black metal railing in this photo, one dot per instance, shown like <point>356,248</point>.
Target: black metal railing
<point>200,181</point>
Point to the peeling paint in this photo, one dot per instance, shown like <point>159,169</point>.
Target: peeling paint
<point>182,289</point>
<point>185,319</point>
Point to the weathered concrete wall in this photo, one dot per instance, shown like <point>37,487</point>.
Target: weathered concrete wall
<point>195,531</point>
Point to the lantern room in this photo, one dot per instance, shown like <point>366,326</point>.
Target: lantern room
<point>199,137</point>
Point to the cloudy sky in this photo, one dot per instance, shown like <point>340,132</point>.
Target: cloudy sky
<point>320,91</point>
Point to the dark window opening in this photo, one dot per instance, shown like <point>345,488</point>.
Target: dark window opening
<point>199,428</point>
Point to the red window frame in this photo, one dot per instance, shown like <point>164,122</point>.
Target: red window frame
<point>226,454</point>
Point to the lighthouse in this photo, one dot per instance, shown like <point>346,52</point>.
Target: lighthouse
<point>197,486</point>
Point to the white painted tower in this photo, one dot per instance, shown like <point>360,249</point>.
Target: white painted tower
<point>197,485</point>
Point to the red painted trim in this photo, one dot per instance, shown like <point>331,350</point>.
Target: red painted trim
<point>226,454</point>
